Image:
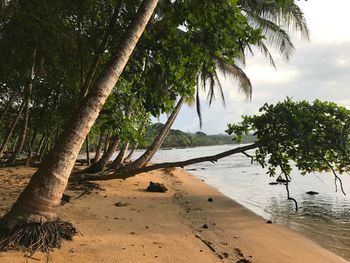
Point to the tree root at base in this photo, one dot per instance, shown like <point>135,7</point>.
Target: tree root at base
<point>35,237</point>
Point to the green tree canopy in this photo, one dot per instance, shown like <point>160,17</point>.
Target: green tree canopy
<point>313,136</point>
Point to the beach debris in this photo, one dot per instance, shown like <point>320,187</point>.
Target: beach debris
<point>206,242</point>
<point>205,226</point>
<point>239,252</point>
<point>241,259</point>
<point>120,204</point>
<point>84,186</point>
<point>273,183</point>
<point>210,199</point>
<point>65,199</point>
<point>312,193</point>
<point>268,222</point>
<point>156,187</point>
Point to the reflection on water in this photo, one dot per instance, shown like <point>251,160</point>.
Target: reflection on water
<point>324,217</point>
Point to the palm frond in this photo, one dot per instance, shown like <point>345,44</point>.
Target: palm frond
<point>211,92</point>
<point>235,71</point>
<point>217,80</point>
<point>266,52</point>
<point>275,35</point>
<point>284,13</point>
<point>198,107</point>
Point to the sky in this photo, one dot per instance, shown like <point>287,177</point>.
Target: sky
<point>318,69</point>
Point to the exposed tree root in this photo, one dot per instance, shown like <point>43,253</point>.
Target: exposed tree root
<point>84,186</point>
<point>36,237</point>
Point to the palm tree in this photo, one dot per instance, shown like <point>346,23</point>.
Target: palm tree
<point>157,142</point>
<point>24,129</point>
<point>271,17</point>
<point>102,163</point>
<point>276,19</point>
<point>37,205</point>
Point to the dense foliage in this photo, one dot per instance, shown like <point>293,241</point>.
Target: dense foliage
<point>73,41</point>
<point>313,136</point>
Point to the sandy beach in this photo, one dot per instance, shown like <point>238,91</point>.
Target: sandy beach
<point>180,225</point>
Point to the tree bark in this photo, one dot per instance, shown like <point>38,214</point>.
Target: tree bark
<point>24,129</point>
<point>30,149</point>
<point>40,145</point>
<point>147,156</point>
<point>87,149</point>
<point>98,149</point>
<point>106,143</point>
<point>44,148</point>
<point>131,153</point>
<point>210,158</point>
<point>12,128</point>
<point>120,158</point>
<point>41,198</point>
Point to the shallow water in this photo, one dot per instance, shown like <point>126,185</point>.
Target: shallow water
<point>324,218</point>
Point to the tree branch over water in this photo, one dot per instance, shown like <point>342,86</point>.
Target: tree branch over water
<point>210,158</point>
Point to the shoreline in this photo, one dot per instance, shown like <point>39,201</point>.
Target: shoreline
<point>177,226</point>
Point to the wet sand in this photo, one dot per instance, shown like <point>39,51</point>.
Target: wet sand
<point>180,225</point>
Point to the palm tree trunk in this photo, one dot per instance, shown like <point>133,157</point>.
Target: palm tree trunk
<point>14,144</point>
<point>40,145</point>
<point>41,198</point>
<point>12,128</point>
<point>97,58</point>
<point>106,142</point>
<point>87,149</point>
<point>106,157</point>
<point>28,94</point>
<point>30,151</point>
<point>131,153</point>
<point>98,149</point>
<point>44,148</point>
<point>147,156</point>
<point>120,158</point>
<point>7,107</point>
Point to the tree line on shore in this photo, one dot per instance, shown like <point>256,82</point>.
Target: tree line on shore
<point>90,74</point>
<point>179,139</point>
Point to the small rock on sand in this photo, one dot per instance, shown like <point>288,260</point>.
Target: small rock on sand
<point>156,187</point>
<point>312,193</point>
<point>120,204</point>
<point>65,199</point>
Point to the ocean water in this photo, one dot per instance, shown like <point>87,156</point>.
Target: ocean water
<point>324,218</point>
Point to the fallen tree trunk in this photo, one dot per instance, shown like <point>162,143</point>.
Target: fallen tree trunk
<point>211,158</point>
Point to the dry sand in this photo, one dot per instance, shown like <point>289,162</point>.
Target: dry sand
<point>163,227</point>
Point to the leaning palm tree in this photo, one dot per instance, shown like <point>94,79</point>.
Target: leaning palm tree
<point>36,208</point>
<point>276,19</point>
